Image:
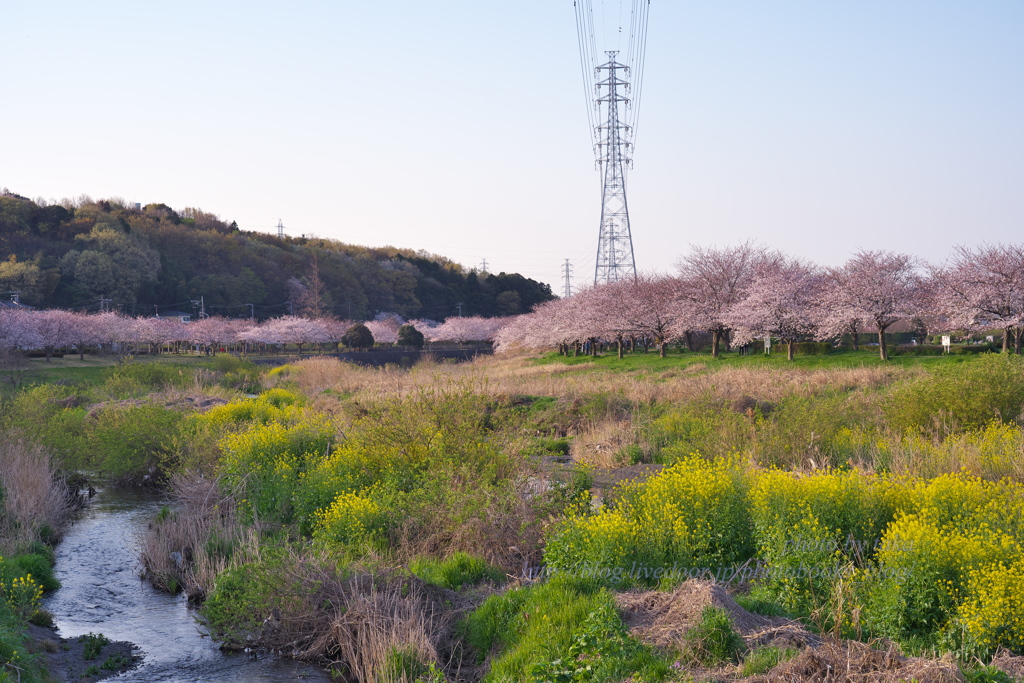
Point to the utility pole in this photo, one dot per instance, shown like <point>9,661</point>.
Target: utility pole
<point>198,303</point>
<point>105,304</point>
<point>156,311</point>
<point>252,312</point>
<point>567,274</point>
<point>460,308</point>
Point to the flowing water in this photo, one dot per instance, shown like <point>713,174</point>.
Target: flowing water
<point>98,567</point>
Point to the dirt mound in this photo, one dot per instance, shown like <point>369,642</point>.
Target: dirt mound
<point>848,661</point>
<point>1010,664</point>
<point>189,402</point>
<point>662,619</point>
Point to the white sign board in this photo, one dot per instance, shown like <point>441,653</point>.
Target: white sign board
<point>767,344</point>
<point>946,342</point>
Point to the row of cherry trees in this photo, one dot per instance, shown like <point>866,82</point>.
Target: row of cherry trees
<point>58,329</point>
<point>746,292</point>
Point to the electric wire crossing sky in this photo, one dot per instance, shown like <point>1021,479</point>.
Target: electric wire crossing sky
<point>613,91</point>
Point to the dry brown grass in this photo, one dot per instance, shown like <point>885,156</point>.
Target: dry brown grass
<point>360,622</point>
<point>511,374</point>
<point>600,442</point>
<point>847,661</point>
<point>187,548</point>
<point>34,493</point>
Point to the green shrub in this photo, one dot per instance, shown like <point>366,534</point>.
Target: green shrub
<point>133,442</point>
<point>434,461</point>
<point>562,630</point>
<point>703,425</point>
<point>961,397</point>
<point>37,566</point>
<point>712,641</point>
<point>691,515</point>
<point>244,595</point>
<point>410,336</point>
<point>764,659</point>
<point>986,674</point>
<point>457,571</point>
<point>267,464</point>
<point>129,379</point>
<point>93,644</point>
<point>52,416</point>
<point>811,528</point>
<point>239,374</point>
<point>406,664</point>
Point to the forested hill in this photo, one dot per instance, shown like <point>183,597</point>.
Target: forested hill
<point>73,254</point>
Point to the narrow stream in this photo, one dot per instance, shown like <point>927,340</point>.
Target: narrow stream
<point>98,567</point>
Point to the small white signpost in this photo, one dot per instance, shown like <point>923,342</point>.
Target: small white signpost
<point>767,346</point>
<point>945,343</point>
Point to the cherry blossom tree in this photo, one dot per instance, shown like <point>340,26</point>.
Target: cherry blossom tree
<point>712,280</point>
<point>17,333</point>
<point>19,329</point>
<point>782,301</point>
<point>55,327</point>
<point>214,332</point>
<point>982,288</point>
<point>85,332</point>
<point>878,287</point>
<point>384,331</point>
<point>652,307</point>
<point>462,330</point>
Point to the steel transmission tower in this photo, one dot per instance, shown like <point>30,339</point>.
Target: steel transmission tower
<point>613,91</point>
<point>567,274</point>
<point>615,242</point>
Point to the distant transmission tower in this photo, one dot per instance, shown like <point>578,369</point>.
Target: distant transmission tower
<point>567,274</point>
<point>613,98</point>
<point>280,229</point>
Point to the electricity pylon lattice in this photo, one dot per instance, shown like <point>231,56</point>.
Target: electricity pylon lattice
<point>615,242</point>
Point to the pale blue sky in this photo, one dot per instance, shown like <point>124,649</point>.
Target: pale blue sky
<point>459,127</point>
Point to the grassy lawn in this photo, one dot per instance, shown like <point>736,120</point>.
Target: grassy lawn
<point>94,369</point>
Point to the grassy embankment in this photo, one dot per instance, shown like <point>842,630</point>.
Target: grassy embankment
<point>382,518</point>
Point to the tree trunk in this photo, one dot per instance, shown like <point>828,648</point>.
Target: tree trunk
<point>662,348</point>
<point>689,341</point>
<point>576,349</point>
<point>1006,341</point>
<point>716,336</point>
<point>49,353</point>
<point>620,345</point>
<point>1016,339</point>
<point>854,335</point>
<point>882,351</point>
<point>789,350</point>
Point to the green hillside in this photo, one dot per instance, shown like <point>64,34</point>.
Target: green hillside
<point>73,254</point>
